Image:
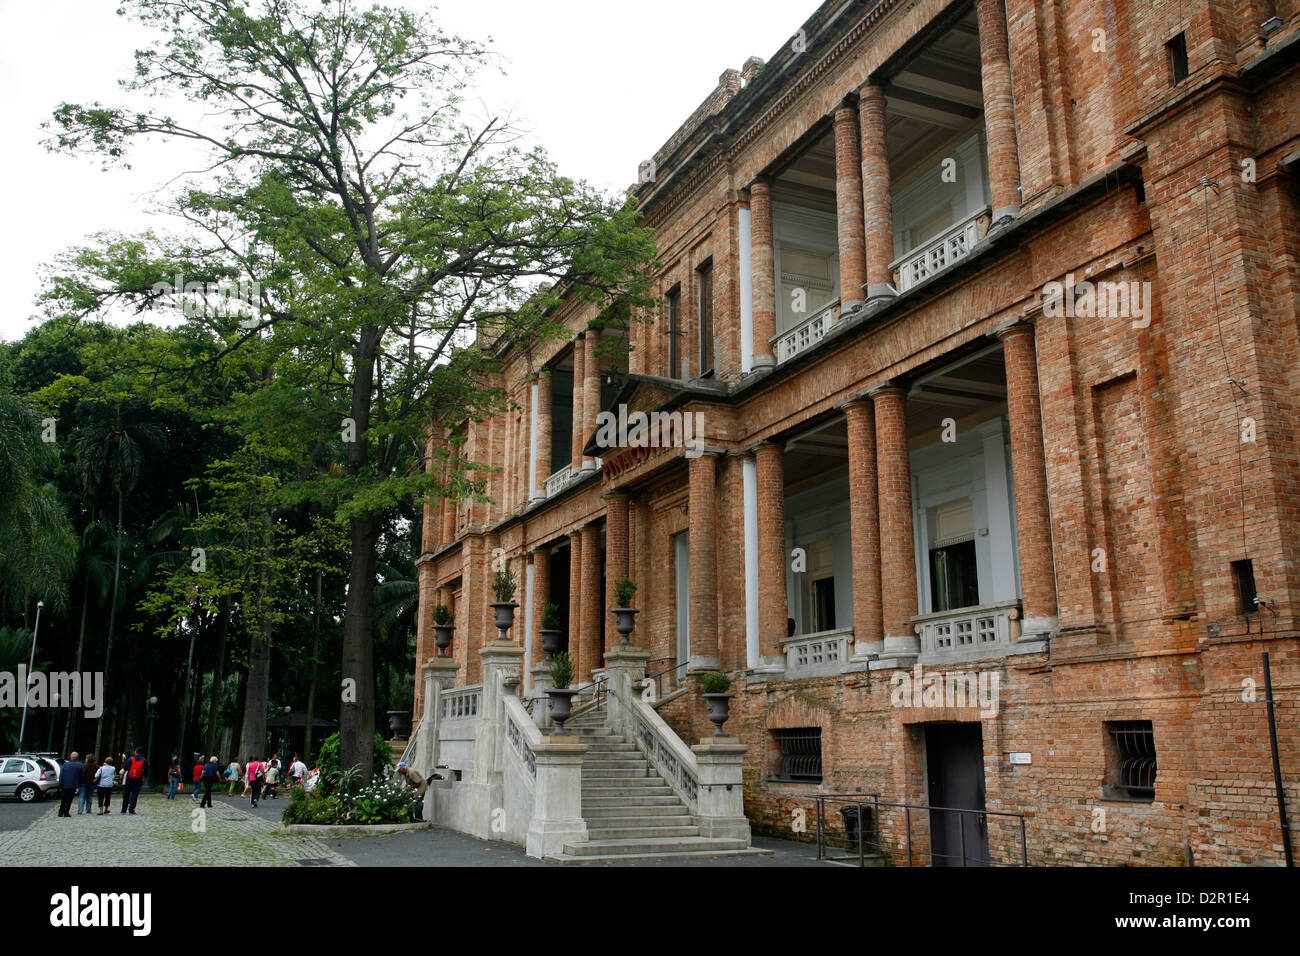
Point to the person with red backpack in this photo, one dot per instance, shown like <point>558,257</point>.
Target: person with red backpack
<point>135,773</point>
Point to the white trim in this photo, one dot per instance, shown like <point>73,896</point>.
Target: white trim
<point>532,444</point>
<point>749,473</point>
<point>528,622</point>
<point>746,292</point>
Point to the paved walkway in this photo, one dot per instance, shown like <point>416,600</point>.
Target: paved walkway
<point>162,833</point>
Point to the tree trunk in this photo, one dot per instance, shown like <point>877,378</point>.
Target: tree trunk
<point>253,740</point>
<point>218,676</point>
<point>357,713</point>
<point>241,693</point>
<point>112,617</point>
<point>315,663</point>
<point>70,726</point>
<point>184,702</point>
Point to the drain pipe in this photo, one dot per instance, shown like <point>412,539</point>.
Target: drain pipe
<point>1277,768</point>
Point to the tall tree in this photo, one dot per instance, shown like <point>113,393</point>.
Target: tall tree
<point>388,238</point>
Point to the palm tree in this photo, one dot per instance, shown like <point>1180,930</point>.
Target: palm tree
<point>96,571</point>
<point>110,459</point>
<point>38,549</point>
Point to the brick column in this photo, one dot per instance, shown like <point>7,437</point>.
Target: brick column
<point>897,549</point>
<point>591,387</point>
<point>763,258</point>
<point>877,203</point>
<point>591,640</point>
<point>999,110</point>
<point>616,556</point>
<point>772,611</point>
<point>575,599</point>
<point>848,207</point>
<point>543,413</point>
<point>1029,471</point>
<point>864,524</point>
<point>702,511</point>
<point>579,389</point>
<point>541,558</point>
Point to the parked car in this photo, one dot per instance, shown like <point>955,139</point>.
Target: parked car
<point>28,778</point>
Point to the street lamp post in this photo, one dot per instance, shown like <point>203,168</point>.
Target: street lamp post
<point>148,754</point>
<point>284,737</point>
<point>31,662</point>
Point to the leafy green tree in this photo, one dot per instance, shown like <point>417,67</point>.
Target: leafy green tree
<point>393,245</point>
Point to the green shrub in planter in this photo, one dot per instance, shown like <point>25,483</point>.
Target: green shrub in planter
<point>714,683</point>
<point>503,586</point>
<point>561,671</point>
<point>551,620</point>
<point>442,615</point>
<point>624,591</point>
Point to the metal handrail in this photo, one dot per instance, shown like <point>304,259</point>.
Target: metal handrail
<point>668,670</point>
<point>861,800</point>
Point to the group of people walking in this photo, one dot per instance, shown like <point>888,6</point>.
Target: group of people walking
<point>88,779</point>
<point>83,781</point>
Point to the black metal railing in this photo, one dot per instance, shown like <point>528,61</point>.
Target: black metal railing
<point>871,830</point>
<point>672,676</point>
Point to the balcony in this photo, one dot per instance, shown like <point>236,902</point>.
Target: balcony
<point>560,480</point>
<point>951,245</point>
<point>969,633</point>
<point>817,655</point>
<point>806,334</point>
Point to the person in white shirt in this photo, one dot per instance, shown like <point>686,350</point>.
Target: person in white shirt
<point>297,770</point>
<point>104,785</point>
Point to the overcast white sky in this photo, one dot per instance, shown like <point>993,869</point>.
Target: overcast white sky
<point>601,84</point>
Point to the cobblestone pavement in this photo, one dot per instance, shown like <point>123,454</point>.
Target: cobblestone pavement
<point>239,835</point>
<point>160,834</point>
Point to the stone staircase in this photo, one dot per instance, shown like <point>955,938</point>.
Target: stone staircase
<point>630,810</point>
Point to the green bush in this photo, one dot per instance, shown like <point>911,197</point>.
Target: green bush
<point>328,759</point>
<point>442,615</point>
<point>624,591</point>
<point>503,586</point>
<point>551,620</point>
<point>714,683</point>
<point>382,801</point>
<point>561,671</point>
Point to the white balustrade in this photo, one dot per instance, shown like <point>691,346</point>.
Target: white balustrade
<point>940,252</point>
<point>807,333</point>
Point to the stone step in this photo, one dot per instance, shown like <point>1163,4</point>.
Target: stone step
<point>650,845</point>
<point>670,814</point>
<point>607,773</point>
<point>621,782</point>
<point>621,832</point>
<point>668,856</point>
<point>601,747</point>
<point>652,788</point>
<point>592,800</point>
<point>613,762</point>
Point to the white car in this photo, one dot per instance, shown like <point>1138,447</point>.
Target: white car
<point>27,778</point>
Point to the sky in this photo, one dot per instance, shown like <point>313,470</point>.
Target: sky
<point>600,84</point>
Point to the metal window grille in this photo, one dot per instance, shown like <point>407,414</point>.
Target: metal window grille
<point>1136,745</point>
<point>800,754</point>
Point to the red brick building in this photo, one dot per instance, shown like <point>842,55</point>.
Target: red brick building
<point>986,316</point>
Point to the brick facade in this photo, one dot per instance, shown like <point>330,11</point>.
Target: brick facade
<point>1147,455</point>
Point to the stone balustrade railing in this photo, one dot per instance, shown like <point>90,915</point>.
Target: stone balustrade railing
<point>940,252</point>
<point>969,633</point>
<point>807,333</point>
<point>819,654</point>
<point>659,744</point>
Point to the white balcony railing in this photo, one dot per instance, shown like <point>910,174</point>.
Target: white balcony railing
<point>817,655</point>
<point>807,333</point>
<point>969,632</point>
<point>940,252</point>
<point>560,480</point>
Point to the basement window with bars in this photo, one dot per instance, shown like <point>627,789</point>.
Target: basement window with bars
<point>799,754</point>
<point>1131,759</point>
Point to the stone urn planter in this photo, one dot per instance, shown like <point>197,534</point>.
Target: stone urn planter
<point>442,638</point>
<point>396,723</point>
<point>719,711</point>
<point>561,705</point>
<point>550,641</point>
<point>504,612</point>
<point>624,621</point>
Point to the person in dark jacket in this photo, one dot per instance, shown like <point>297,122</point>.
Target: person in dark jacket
<point>86,795</point>
<point>70,777</point>
<point>135,772</point>
<point>211,773</point>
